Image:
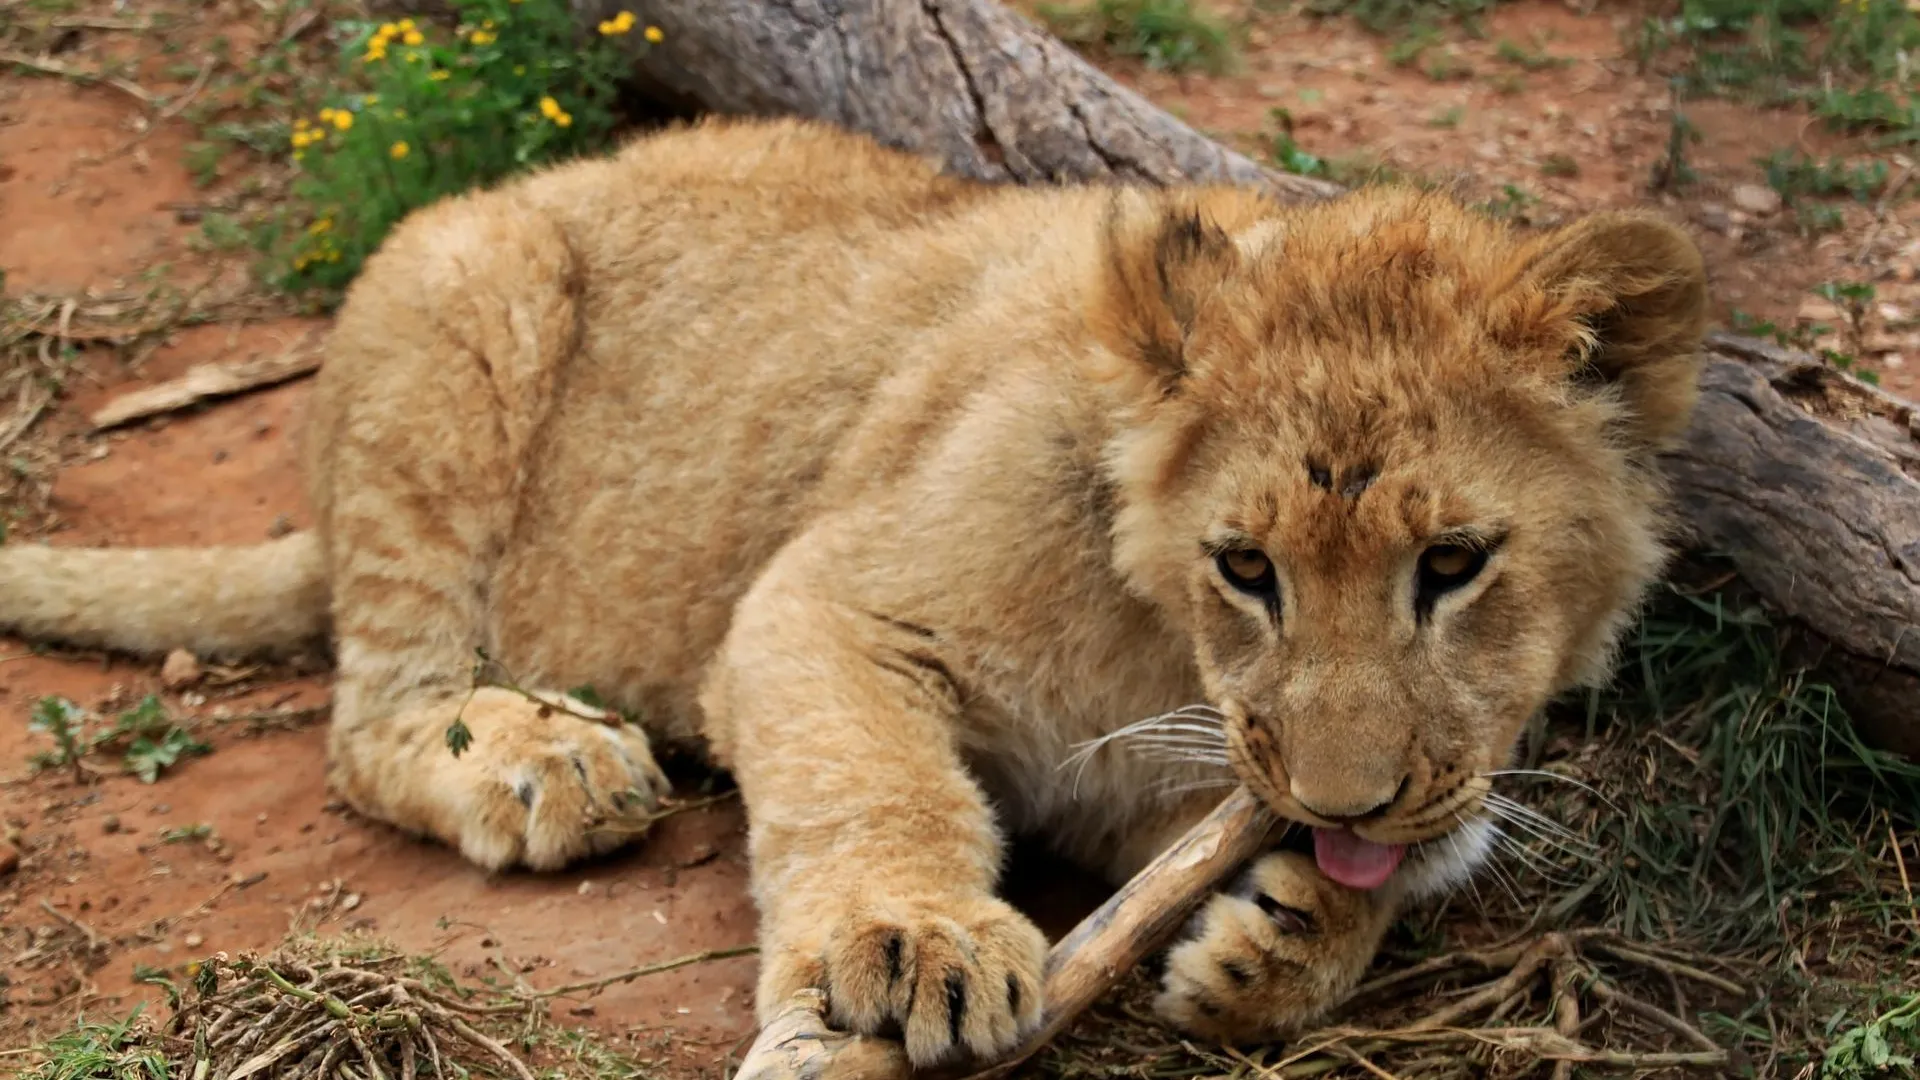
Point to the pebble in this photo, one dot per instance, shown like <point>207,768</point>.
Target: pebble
<point>111,824</point>
<point>181,668</point>
<point>193,941</point>
<point>1756,199</point>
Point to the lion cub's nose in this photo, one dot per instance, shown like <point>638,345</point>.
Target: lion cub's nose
<point>1349,808</point>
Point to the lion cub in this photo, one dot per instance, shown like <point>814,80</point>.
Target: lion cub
<point>941,511</point>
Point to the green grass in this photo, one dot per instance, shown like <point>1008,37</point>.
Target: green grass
<point>90,1050</point>
<point>1167,35</point>
<point>1848,61</point>
<point>1796,175</point>
<point>1405,17</point>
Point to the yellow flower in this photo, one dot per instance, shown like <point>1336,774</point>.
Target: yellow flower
<point>320,226</point>
<point>326,116</point>
<point>441,76</point>
<point>549,108</point>
<point>563,120</point>
<point>398,150</point>
<point>370,99</point>
<point>374,54</point>
<point>412,37</point>
<point>389,29</point>
<point>481,37</point>
<point>343,120</point>
<point>655,35</point>
<point>406,24</point>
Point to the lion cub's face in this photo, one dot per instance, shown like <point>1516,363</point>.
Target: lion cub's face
<point>1389,464</point>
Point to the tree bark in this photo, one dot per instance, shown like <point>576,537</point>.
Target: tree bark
<point>1808,480</point>
<point>1803,477</point>
<point>967,81</point>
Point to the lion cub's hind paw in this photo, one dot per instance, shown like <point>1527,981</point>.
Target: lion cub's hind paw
<point>545,785</point>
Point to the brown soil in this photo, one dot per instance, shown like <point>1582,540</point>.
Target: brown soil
<point>94,196</point>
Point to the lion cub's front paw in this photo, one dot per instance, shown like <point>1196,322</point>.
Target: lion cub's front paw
<point>1271,955</point>
<point>951,975</point>
<point>539,786</point>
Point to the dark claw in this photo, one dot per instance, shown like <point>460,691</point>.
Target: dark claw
<point>893,950</point>
<point>1291,920</point>
<point>1013,994</point>
<point>1237,972</point>
<point>524,792</point>
<point>956,1004</point>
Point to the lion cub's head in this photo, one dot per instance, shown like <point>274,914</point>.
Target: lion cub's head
<point>1389,462</point>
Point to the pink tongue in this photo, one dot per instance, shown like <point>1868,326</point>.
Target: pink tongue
<point>1353,862</point>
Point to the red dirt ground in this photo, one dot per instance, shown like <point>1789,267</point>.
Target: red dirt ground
<point>94,196</point>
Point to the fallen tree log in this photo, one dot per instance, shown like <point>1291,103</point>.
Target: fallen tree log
<point>1807,479</point>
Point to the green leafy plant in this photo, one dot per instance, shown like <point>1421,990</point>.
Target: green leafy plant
<point>1168,35</point>
<point>1796,175</point>
<point>149,741</point>
<point>431,113</point>
<point>1888,1041</point>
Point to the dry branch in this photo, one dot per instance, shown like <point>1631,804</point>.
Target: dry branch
<point>204,381</point>
<point>798,1044</point>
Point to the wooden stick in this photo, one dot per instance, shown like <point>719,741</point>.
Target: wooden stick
<point>203,381</point>
<point>798,1044</point>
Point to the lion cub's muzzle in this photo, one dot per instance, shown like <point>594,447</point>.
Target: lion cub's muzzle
<point>1365,813</point>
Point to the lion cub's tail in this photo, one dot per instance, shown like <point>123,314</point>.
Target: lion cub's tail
<point>230,601</point>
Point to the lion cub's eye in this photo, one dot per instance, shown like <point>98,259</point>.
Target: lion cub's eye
<point>1446,567</point>
<point>1248,570</point>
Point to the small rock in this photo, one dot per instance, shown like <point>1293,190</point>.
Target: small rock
<point>182,668</point>
<point>1714,218</point>
<point>585,888</point>
<point>281,526</point>
<point>162,808</point>
<point>351,901</point>
<point>111,824</point>
<point>1756,199</point>
<point>582,1010</point>
<point>193,941</point>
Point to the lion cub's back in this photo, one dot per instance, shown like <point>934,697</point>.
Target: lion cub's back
<point>744,288</point>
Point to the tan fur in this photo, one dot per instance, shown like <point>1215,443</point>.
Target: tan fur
<point>894,489</point>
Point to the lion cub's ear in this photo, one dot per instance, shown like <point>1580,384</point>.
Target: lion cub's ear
<point>1625,295</point>
<point>1163,258</point>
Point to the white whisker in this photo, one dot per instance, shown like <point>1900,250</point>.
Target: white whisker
<point>1545,775</point>
<point>1193,733</point>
